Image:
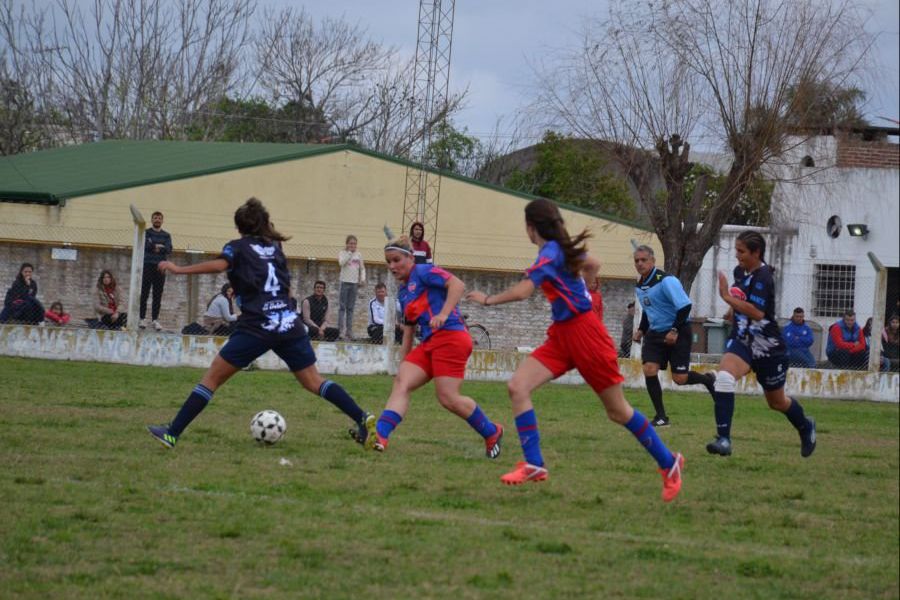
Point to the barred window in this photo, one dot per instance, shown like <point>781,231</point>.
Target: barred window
<point>833,289</point>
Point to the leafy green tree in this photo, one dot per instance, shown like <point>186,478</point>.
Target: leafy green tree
<point>255,120</point>
<point>575,172</point>
<point>752,207</point>
<point>453,150</point>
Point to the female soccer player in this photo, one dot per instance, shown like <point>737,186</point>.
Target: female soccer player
<point>257,270</point>
<point>755,344</point>
<point>428,297</point>
<point>576,338</point>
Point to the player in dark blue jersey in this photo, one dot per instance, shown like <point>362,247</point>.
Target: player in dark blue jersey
<point>576,339</point>
<point>755,344</point>
<point>664,331</point>
<point>428,298</point>
<point>258,273</point>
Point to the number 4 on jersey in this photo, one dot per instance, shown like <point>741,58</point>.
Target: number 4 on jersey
<point>272,281</point>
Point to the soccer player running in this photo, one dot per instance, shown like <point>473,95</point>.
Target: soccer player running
<point>428,298</point>
<point>665,331</point>
<point>575,339</point>
<point>258,273</point>
<point>755,344</point>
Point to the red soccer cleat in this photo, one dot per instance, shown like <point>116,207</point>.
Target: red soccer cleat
<point>672,479</point>
<point>524,472</point>
<point>492,443</point>
<point>377,443</point>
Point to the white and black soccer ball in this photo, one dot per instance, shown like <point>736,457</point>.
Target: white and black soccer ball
<point>267,426</point>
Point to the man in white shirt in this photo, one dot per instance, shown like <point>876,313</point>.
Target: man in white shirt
<point>376,316</point>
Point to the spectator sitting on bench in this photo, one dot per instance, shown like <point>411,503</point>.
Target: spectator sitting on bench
<point>799,337</point>
<point>847,347</point>
<point>57,314</point>
<point>219,316</point>
<point>21,303</point>
<point>314,312</point>
<point>109,302</point>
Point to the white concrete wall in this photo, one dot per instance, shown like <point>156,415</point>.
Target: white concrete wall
<point>169,350</point>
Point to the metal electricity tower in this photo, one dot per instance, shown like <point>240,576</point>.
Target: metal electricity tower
<point>431,82</point>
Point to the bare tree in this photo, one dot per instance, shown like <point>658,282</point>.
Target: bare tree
<point>142,68</point>
<point>24,85</point>
<point>655,77</point>
<point>358,85</point>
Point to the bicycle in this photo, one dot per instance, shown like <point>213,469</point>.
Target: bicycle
<point>481,339</point>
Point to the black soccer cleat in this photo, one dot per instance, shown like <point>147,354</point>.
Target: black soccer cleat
<point>808,439</point>
<point>364,429</point>
<point>161,434</point>
<point>720,446</point>
<point>660,422</point>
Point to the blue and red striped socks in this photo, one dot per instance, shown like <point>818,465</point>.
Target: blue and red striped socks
<point>646,435</point>
<point>387,422</point>
<point>530,438</point>
<point>480,423</point>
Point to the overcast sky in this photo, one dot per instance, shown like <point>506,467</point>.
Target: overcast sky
<point>494,41</point>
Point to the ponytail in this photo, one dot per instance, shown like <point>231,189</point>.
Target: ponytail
<point>546,219</point>
<point>252,218</point>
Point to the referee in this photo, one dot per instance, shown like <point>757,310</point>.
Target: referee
<point>665,329</point>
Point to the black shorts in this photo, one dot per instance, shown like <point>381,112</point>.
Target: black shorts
<point>771,371</point>
<point>242,348</point>
<point>655,350</point>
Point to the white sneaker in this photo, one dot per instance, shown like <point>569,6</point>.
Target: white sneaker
<point>157,326</point>
<point>143,324</point>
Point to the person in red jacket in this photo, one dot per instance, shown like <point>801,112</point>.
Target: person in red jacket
<point>847,347</point>
<point>57,314</point>
<point>421,249</point>
<point>596,297</point>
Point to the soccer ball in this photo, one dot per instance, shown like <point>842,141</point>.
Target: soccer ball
<point>267,426</point>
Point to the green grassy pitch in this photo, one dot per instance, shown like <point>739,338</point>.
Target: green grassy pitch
<point>92,507</point>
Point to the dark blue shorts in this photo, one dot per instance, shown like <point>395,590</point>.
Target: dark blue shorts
<point>242,348</point>
<point>771,371</point>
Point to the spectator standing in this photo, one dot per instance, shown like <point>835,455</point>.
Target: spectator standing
<point>596,297</point>
<point>847,347</point>
<point>627,332</point>
<point>314,313</point>
<point>109,301</point>
<point>157,248</point>
<point>219,316</point>
<point>353,275</point>
<point>57,314</point>
<point>890,343</point>
<point>376,317</point>
<point>21,303</point>
<point>799,337</point>
<point>421,249</point>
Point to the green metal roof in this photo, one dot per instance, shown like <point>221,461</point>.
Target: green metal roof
<point>49,176</point>
<point>52,176</point>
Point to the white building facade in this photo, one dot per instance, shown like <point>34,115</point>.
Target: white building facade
<point>827,185</point>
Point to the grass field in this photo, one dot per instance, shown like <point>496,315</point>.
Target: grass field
<point>92,507</point>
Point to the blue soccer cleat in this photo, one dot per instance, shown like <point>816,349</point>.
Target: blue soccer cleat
<point>161,434</point>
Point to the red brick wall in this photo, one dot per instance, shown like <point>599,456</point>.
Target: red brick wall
<point>868,155</point>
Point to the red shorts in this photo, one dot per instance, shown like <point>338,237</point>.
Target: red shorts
<point>581,343</point>
<point>443,354</point>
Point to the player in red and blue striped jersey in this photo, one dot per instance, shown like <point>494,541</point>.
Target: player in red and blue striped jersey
<point>575,339</point>
<point>428,298</point>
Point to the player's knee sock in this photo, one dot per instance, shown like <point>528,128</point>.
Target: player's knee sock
<point>338,396</point>
<point>695,378</point>
<point>654,388</point>
<point>724,408</point>
<point>530,438</point>
<point>387,422</point>
<point>646,435</point>
<point>795,415</point>
<point>193,406</point>
<point>480,423</point>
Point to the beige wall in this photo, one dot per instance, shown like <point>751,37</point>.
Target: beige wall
<point>318,201</point>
